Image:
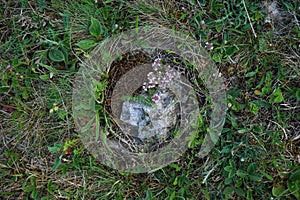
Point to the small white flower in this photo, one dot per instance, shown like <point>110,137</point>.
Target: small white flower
<point>268,19</point>
<point>152,85</point>
<point>176,74</point>
<point>155,98</point>
<point>150,74</point>
<point>155,67</point>
<point>145,86</point>
<point>209,46</point>
<point>157,60</point>
<point>156,64</point>
<point>162,86</point>
<point>151,77</point>
<point>167,79</point>
<point>159,76</point>
<point>219,74</point>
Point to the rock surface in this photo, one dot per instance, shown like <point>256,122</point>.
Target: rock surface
<point>152,121</point>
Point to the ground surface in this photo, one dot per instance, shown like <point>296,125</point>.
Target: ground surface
<point>256,46</point>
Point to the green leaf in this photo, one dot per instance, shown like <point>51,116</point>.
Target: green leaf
<point>217,57</point>
<point>56,55</point>
<point>178,168</point>
<point>172,196</point>
<point>234,92</point>
<point>62,114</point>
<point>65,53</point>
<point>169,190</point>
<point>34,194</point>
<point>44,77</point>
<point>251,168</point>
<point>233,121</point>
<point>228,181</point>
<point>250,74</point>
<point>137,23</point>
<point>295,176</point>
<point>51,69</point>
<point>262,44</point>
<point>254,108</point>
<point>86,44</point>
<point>241,173</point>
<point>266,175</point>
<point>55,148</point>
<point>228,168</point>
<point>64,193</point>
<point>278,190</point>
<point>47,197</point>
<point>261,103</point>
<point>231,50</point>
<point>149,195</point>
<point>255,177</point>
<point>49,188</point>
<point>101,86</point>
<point>175,181</point>
<point>95,28</point>
<point>294,188</point>
<point>108,1</point>
<point>249,194</point>
<point>4,89</point>
<point>239,191</point>
<point>238,182</point>
<point>56,163</point>
<point>276,97</point>
<point>244,130</point>
<point>28,188</point>
<point>236,30</point>
<point>298,94</point>
<point>228,190</point>
<point>268,83</point>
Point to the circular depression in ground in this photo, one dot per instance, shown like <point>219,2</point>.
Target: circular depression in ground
<point>89,114</point>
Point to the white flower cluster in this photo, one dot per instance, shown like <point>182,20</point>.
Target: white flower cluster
<point>160,78</point>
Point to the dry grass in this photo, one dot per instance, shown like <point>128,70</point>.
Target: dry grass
<point>32,167</point>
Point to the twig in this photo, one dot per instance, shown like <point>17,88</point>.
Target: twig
<point>296,20</point>
<point>296,138</point>
<point>207,175</point>
<point>285,134</point>
<point>249,19</point>
<point>288,107</point>
<point>258,141</point>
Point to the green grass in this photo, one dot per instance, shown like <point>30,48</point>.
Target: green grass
<point>257,156</point>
